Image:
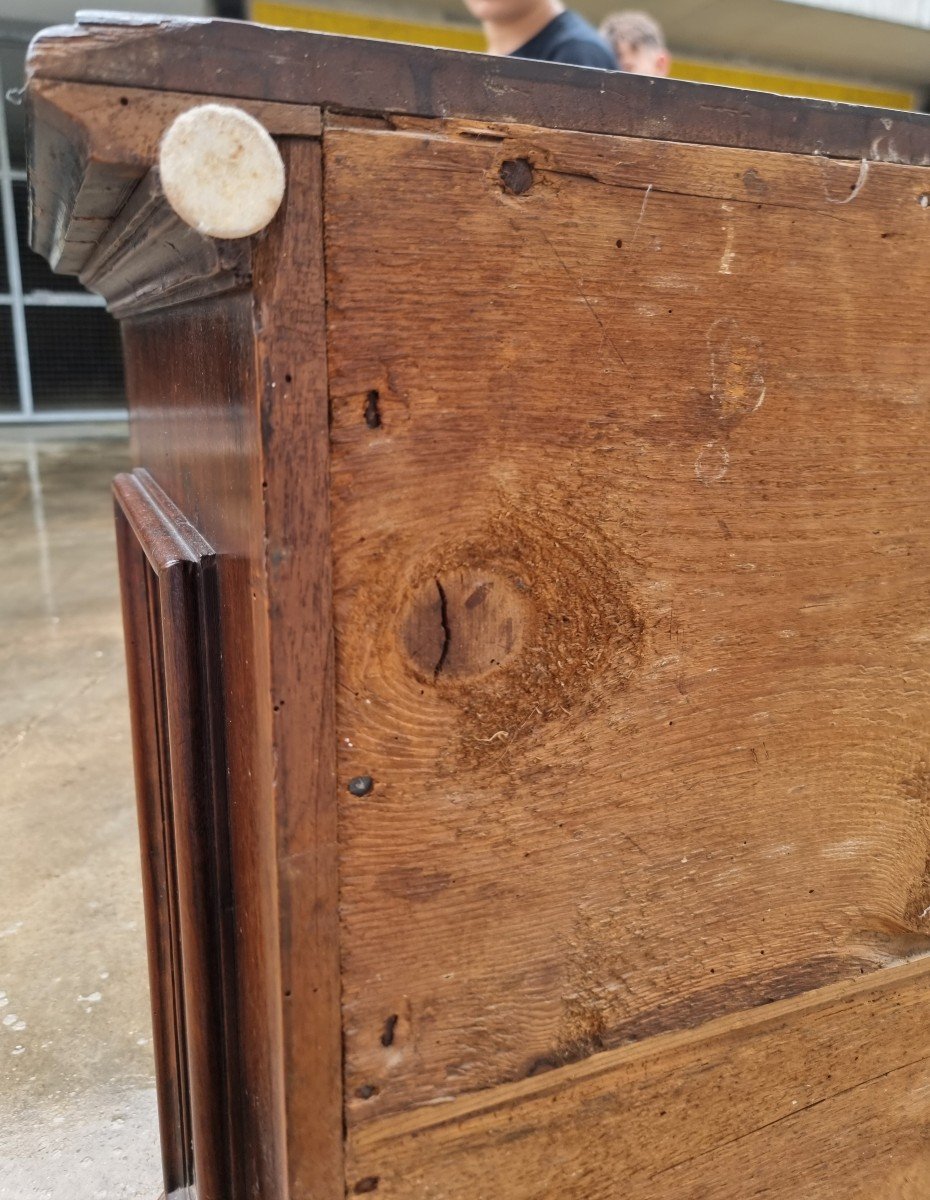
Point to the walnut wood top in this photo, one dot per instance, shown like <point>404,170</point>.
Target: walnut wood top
<point>243,61</point>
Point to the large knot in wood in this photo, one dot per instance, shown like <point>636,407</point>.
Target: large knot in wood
<point>463,623</point>
<point>221,171</point>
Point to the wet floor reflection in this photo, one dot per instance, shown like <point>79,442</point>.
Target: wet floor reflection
<point>77,1112</point>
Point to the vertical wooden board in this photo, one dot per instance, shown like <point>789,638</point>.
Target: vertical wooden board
<point>142,651</point>
<point>193,397</point>
<point>631,564</point>
<point>229,413</point>
<point>291,346</point>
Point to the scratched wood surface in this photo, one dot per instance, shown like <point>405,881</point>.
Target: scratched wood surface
<point>591,856</point>
<point>362,75</point>
<point>290,343</point>
<point>823,1096</point>
<point>629,462</point>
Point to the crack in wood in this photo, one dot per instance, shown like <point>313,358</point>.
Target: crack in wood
<point>446,629</point>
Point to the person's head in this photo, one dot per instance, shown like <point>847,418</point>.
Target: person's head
<point>638,42</point>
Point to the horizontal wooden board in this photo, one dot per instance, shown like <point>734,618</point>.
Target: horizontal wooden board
<point>826,1097</point>
<point>366,76</point>
<point>632,565</point>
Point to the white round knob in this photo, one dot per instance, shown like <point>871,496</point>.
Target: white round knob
<point>220,171</point>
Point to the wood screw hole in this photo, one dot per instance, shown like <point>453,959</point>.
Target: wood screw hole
<point>516,174</point>
<point>372,412</point>
<point>368,1184</point>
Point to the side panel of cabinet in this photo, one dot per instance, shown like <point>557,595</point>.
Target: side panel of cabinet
<point>631,571</point>
<point>195,428</point>
<point>228,403</point>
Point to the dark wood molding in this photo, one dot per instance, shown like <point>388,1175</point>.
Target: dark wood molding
<point>90,148</point>
<point>366,76</point>
<point>149,258</point>
<point>171,616</point>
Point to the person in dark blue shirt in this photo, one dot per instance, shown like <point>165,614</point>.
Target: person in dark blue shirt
<point>541,29</point>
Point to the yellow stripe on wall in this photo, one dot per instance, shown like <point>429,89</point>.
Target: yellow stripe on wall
<point>461,37</point>
<point>324,20</point>
<point>788,85</point>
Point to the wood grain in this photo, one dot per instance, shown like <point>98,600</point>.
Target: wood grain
<point>189,894</point>
<point>825,1097</point>
<point>668,406</point>
<point>230,413</point>
<point>568,496</point>
<point>194,394</point>
<point>158,875</point>
<point>149,258</point>
<point>366,76</point>
<point>291,358</point>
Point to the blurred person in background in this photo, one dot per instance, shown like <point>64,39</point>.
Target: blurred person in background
<point>638,42</point>
<point>541,29</point>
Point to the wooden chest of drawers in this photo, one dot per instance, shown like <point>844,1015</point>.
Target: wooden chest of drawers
<point>527,589</point>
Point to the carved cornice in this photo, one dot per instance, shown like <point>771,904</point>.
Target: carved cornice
<point>97,208</point>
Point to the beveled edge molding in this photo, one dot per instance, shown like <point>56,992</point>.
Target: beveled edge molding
<point>171,610</point>
<point>149,258</point>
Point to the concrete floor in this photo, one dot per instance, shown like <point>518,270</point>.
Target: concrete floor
<point>77,1101</point>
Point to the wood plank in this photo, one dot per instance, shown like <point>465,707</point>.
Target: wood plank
<point>126,123</point>
<point>823,1097</point>
<point>366,76</point>
<point>158,883</point>
<point>194,395</point>
<point>291,357</point>
<point>631,577</point>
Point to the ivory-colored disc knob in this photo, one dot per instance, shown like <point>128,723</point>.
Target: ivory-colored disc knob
<point>221,171</point>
